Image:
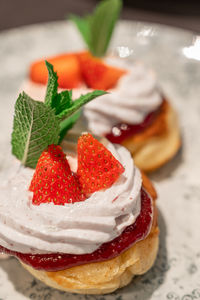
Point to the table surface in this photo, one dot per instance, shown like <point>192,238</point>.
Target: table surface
<point>181,13</point>
<point>176,272</point>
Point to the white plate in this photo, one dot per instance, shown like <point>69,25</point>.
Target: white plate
<point>174,55</point>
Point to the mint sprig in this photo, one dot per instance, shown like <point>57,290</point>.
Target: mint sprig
<point>52,86</point>
<point>35,127</point>
<point>39,124</point>
<point>97,29</point>
<point>78,103</point>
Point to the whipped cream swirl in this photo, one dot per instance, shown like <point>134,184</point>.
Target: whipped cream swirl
<point>73,228</point>
<point>135,96</point>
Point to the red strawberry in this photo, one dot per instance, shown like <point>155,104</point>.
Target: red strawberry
<point>98,75</point>
<point>67,68</point>
<point>97,167</point>
<point>53,180</point>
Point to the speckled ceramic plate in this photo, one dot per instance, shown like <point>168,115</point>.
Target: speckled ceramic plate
<point>175,55</point>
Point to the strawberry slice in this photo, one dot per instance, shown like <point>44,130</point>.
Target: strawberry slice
<point>67,67</point>
<point>97,167</point>
<point>53,180</point>
<point>98,75</point>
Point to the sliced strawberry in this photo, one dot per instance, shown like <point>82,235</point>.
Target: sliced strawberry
<point>53,180</point>
<point>98,75</point>
<point>67,67</point>
<point>97,167</point>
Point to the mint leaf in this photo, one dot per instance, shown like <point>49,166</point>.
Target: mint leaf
<point>67,124</point>
<point>78,103</point>
<point>83,25</point>
<point>71,114</point>
<point>52,85</point>
<point>35,127</point>
<point>102,25</point>
<point>56,100</point>
<point>63,101</point>
<point>97,28</point>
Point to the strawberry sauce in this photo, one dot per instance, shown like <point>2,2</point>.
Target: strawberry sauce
<point>122,131</point>
<point>59,261</point>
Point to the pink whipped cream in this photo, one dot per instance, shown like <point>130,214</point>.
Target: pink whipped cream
<point>135,96</point>
<point>74,228</point>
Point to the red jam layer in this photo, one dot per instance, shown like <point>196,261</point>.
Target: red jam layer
<point>122,131</point>
<point>58,261</point>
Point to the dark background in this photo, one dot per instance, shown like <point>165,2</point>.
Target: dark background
<point>179,13</point>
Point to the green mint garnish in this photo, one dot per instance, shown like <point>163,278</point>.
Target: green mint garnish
<point>52,86</point>
<point>97,29</point>
<point>35,127</point>
<point>39,124</point>
<point>67,124</point>
<point>83,99</point>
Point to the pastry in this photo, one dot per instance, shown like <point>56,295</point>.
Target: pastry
<point>136,113</point>
<point>90,223</point>
<point>138,116</point>
<point>86,223</point>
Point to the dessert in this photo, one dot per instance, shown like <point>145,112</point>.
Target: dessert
<point>138,116</point>
<point>85,241</point>
<point>85,222</point>
<point>136,113</point>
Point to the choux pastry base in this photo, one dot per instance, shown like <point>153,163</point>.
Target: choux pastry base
<point>104,277</point>
<point>157,145</point>
<point>107,276</point>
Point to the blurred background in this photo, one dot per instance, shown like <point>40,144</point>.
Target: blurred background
<point>180,13</point>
